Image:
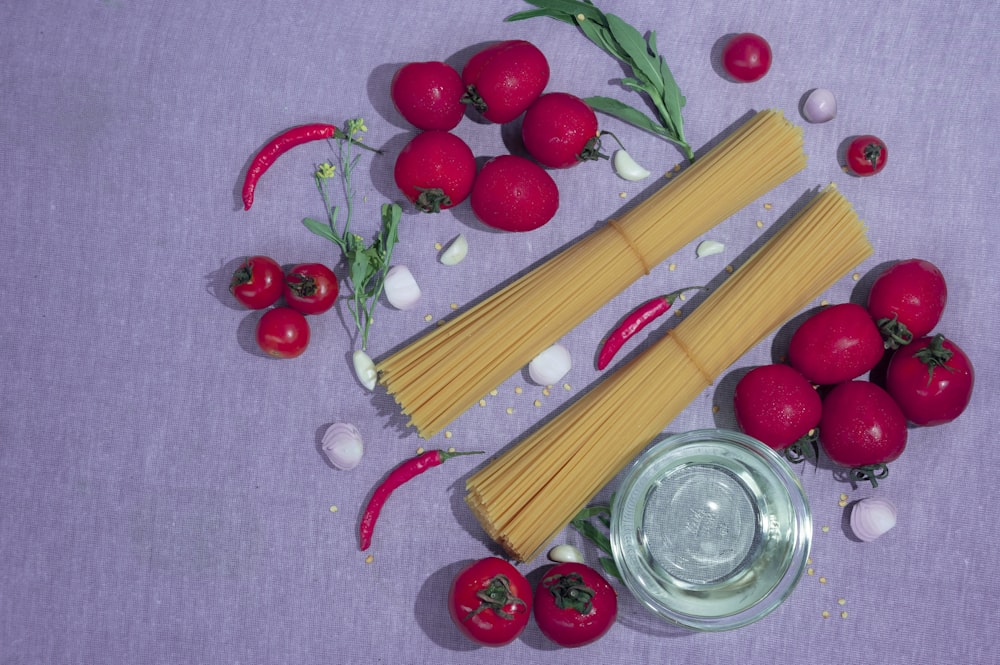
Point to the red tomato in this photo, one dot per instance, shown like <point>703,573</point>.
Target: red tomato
<point>867,155</point>
<point>283,333</point>
<point>504,79</point>
<point>311,288</point>
<point>560,130</point>
<point>747,57</point>
<point>775,404</point>
<point>862,427</point>
<point>574,605</point>
<point>257,283</point>
<point>435,170</point>
<point>931,379</point>
<point>428,95</point>
<point>838,343</point>
<point>907,301</point>
<point>490,602</point>
<point>512,193</point>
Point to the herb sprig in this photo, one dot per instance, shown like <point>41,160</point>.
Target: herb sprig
<point>650,74</point>
<point>367,264</point>
<point>584,523</point>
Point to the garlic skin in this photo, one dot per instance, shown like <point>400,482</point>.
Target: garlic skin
<point>709,247</point>
<point>820,106</point>
<point>456,251</point>
<point>551,365</point>
<point>364,367</point>
<point>343,446</point>
<point>401,289</point>
<point>565,554</point>
<point>871,518</point>
<point>627,168</point>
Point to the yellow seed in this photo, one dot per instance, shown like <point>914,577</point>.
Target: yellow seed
<point>843,615</point>
<point>622,194</point>
<point>482,402</point>
<point>826,615</point>
<point>428,317</point>
<point>843,497</point>
<point>730,269</point>
<point>566,386</point>
<point>842,503</point>
<point>673,267</point>
<point>538,402</point>
<point>824,302</point>
<point>856,276</point>
<point>810,572</point>
<point>333,509</point>
<point>841,601</point>
<point>826,529</point>
<point>518,390</point>
<point>546,392</point>
<point>677,312</point>
<point>677,167</point>
<point>581,17</point>
<point>510,410</point>
<point>438,245</point>
<point>369,558</point>
<point>760,224</point>
<point>420,450</point>
<point>494,392</point>
<point>454,305</point>
<point>715,408</point>
<point>451,450</point>
<point>809,560</point>
<point>447,435</point>
<point>768,206</point>
<point>822,580</point>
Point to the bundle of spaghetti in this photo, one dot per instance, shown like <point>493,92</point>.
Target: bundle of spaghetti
<point>528,494</point>
<point>440,375</point>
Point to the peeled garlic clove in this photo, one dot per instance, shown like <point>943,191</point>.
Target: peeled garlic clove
<point>709,247</point>
<point>551,365</point>
<point>820,106</point>
<point>565,554</point>
<point>401,289</point>
<point>870,518</point>
<point>364,367</point>
<point>627,168</point>
<point>456,251</point>
<point>343,446</point>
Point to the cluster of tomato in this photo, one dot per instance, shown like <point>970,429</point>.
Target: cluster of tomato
<point>437,170</point>
<point>913,376</point>
<point>491,603</point>
<point>307,289</point>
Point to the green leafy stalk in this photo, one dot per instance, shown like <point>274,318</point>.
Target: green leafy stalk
<point>650,74</point>
<point>584,523</point>
<point>367,264</point>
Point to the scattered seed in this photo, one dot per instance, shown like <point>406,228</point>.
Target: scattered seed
<point>843,615</point>
<point>826,615</point>
<point>518,390</point>
<point>760,224</point>
<point>715,408</point>
<point>622,195</point>
<point>369,558</point>
<point>538,402</point>
<point>730,269</point>
<point>581,17</point>
<point>428,317</point>
<point>451,450</point>
<point>510,410</point>
<point>482,402</point>
<point>494,392</point>
<point>672,267</point>
<point>448,435</point>
<point>677,312</point>
<point>826,529</point>
<point>843,497</point>
<point>810,572</point>
<point>809,560</point>
<point>856,276</point>
<point>454,305</point>
<point>546,392</point>
<point>841,601</point>
<point>438,246</point>
<point>842,503</point>
<point>677,167</point>
<point>822,580</point>
<point>566,386</point>
<point>768,206</point>
<point>333,509</point>
<point>420,450</point>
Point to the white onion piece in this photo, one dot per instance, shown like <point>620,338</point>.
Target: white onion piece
<point>550,365</point>
<point>343,446</point>
<point>627,168</point>
<point>820,106</point>
<point>456,251</point>
<point>565,554</point>
<point>401,289</point>
<point>364,367</point>
<point>710,247</point>
<point>870,518</point>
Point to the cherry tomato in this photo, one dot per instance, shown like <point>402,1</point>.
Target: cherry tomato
<point>504,79</point>
<point>435,170</point>
<point>310,288</point>
<point>560,130</point>
<point>931,379</point>
<point>862,427</point>
<point>747,57</point>
<point>836,344</point>
<point>866,155</point>
<point>283,333</point>
<point>574,605</point>
<point>512,193</point>
<point>775,404</point>
<point>907,301</point>
<point>428,95</point>
<point>490,602</point>
<point>257,283</point>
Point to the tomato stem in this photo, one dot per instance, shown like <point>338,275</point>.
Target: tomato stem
<point>499,597</point>
<point>870,472</point>
<point>474,99</point>
<point>570,592</point>
<point>894,333</point>
<point>804,448</point>
<point>432,199</point>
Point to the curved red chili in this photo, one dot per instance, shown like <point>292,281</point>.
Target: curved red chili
<point>276,148</point>
<point>638,319</point>
<point>406,471</point>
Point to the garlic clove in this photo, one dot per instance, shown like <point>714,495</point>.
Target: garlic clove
<point>455,251</point>
<point>343,446</point>
<point>820,106</point>
<point>870,518</point>
<point>364,367</point>
<point>709,247</point>
<point>627,168</point>
<point>401,289</point>
<point>565,554</point>
<point>551,365</point>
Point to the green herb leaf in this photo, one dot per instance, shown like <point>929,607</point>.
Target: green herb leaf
<point>320,229</point>
<point>624,112</point>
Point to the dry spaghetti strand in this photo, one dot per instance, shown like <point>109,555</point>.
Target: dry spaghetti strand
<point>448,370</point>
<point>527,495</point>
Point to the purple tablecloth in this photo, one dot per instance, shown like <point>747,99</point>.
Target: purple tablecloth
<point>164,496</point>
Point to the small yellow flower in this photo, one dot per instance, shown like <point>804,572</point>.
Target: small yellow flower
<point>356,125</point>
<point>326,170</point>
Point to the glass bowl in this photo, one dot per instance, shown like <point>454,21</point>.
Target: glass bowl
<point>710,529</point>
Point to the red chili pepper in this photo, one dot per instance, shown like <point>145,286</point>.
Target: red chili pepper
<point>406,471</point>
<point>638,319</point>
<point>281,144</point>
